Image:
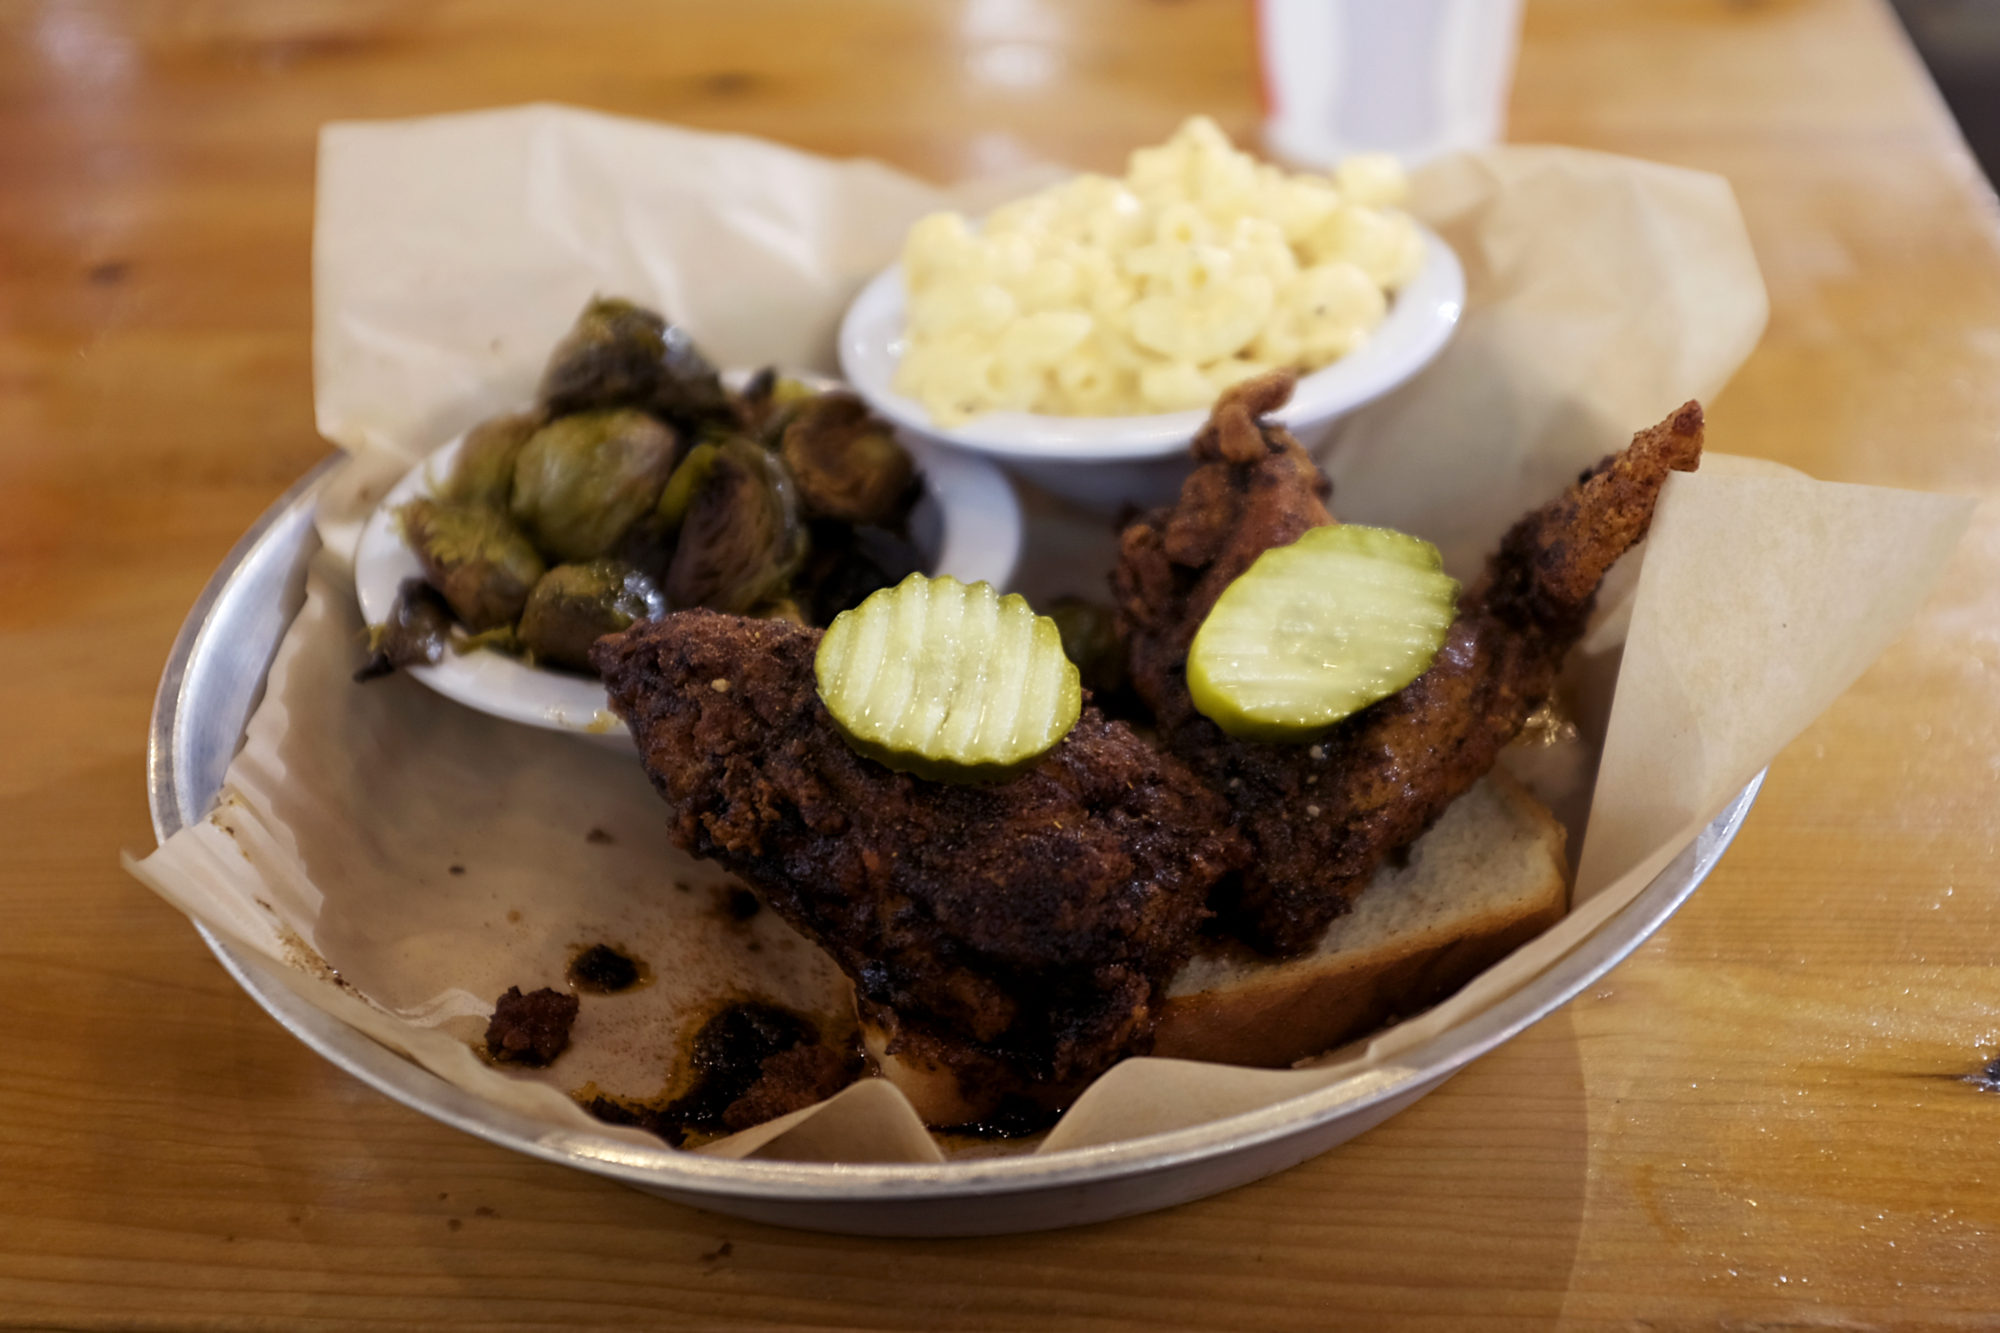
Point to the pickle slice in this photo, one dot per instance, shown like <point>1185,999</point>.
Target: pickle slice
<point>1314,631</point>
<point>948,681</point>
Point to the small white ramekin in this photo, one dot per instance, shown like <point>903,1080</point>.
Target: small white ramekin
<point>1105,463</point>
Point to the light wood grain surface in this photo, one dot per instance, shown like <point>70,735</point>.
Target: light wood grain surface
<point>1761,1120</point>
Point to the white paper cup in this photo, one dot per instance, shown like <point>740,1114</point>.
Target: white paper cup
<point>1411,77</point>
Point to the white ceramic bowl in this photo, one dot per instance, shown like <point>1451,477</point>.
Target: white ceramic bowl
<point>967,524</point>
<point>1107,462</point>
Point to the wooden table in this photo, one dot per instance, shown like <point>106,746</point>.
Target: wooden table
<point>1763,1119</point>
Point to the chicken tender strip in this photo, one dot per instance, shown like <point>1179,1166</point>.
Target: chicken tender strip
<point>1017,934</point>
<point>1321,817</point>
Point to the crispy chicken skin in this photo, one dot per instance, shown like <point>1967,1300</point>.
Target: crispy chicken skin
<point>1320,818</point>
<point>1018,933</point>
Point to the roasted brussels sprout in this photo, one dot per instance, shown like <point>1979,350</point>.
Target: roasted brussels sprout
<point>575,605</point>
<point>475,556</point>
<point>1090,639</point>
<point>582,480</point>
<point>848,563</point>
<point>501,639</point>
<point>611,357</point>
<point>483,472</point>
<point>416,633</point>
<point>623,355</point>
<point>741,538</point>
<point>647,546</point>
<point>689,476</point>
<point>847,463</point>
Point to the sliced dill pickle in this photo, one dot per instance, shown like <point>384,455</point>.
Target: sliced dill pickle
<point>1314,631</point>
<point>949,681</point>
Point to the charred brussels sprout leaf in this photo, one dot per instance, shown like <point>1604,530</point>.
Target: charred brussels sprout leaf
<point>416,633</point>
<point>768,403</point>
<point>741,538</point>
<point>755,396</point>
<point>582,480</point>
<point>475,556</point>
<point>847,462</point>
<point>575,605</point>
<point>483,472</point>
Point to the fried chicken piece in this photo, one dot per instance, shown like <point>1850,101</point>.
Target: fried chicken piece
<point>1320,818</point>
<point>1019,934</point>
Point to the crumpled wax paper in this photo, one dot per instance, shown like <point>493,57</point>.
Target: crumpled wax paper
<point>449,255</point>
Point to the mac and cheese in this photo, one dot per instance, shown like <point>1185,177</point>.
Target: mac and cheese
<point>1153,292</point>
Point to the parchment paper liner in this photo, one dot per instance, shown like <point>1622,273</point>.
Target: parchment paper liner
<point>451,252</point>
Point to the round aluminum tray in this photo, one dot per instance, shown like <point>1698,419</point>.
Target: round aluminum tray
<point>213,681</point>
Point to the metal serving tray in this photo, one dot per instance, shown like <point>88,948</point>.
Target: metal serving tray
<point>213,681</point>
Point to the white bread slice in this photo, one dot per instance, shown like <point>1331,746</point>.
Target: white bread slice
<point>1489,875</point>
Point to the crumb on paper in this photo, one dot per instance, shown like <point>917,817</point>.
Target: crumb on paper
<point>605,970</point>
<point>1548,725</point>
<point>530,1029</point>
